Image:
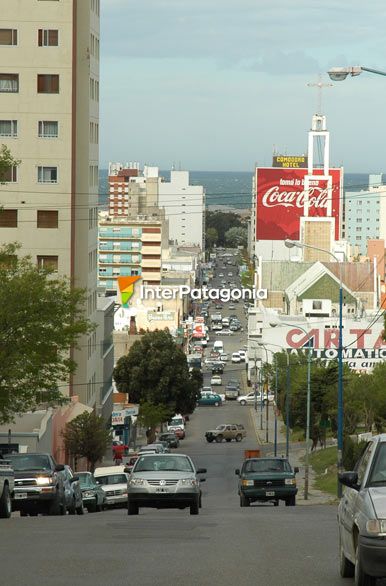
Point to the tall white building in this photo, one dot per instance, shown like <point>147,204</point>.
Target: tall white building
<point>49,119</point>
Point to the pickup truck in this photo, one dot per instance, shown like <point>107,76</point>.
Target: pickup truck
<point>6,488</point>
<point>231,392</point>
<point>227,431</point>
<point>39,487</point>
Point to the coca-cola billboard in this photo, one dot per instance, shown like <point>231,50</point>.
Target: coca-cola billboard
<point>280,199</point>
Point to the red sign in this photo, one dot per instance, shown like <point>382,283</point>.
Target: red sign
<point>281,196</point>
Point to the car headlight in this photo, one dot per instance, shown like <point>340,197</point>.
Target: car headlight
<point>190,481</point>
<point>136,482</point>
<point>43,480</point>
<point>376,526</point>
<point>291,481</point>
<point>247,483</point>
<point>88,494</point>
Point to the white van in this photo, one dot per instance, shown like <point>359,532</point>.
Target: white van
<point>113,480</point>
<point>218,346</point>
<point>225,322</point>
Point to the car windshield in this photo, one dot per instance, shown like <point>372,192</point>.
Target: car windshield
<point>112,479</point>
<point>157,463</point>
<point>85,479</point>
<point>378,472</point>
<point>21,462</point>
<point>220,427</point>
<point>267,465</point>
<point>178,421</point>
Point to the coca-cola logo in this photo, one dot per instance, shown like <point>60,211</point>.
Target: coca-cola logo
<point>317,197</point>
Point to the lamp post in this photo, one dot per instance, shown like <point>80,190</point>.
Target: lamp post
<point>261,397</point>
<point>340,73</point>
<point>292,244</point>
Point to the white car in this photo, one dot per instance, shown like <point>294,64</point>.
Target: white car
<point>221,274</point>
<point>242,355</point>
<point>230,274</point>
<point>236,357</point>
<point>216,380</point>
<point>225,332</point>
<point>224,357</point>
<point>249,399</point>
<point>113,480</point>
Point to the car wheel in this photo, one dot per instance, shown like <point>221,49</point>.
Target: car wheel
<point>361,578</point>
<point>239,437</point>
<point>5,503</point>
<point>219,438</point>
<point>290,501</point>
<point>92,507</point>
<point>243,403</point>
<point>244,502</point>
<point>99,508</point>
<point>132,508</point>
<point>80,510</point>
<point>55,507</point>
<point>216,404</point>
<point>346,568</point>
<point>195,507</point>
<point>209,439</point>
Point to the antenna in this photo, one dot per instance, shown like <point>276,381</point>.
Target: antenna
<point>319,85</point>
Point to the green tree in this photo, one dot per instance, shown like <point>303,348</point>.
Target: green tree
<point>41,318</point>
<point>211,237</point>
<point>155,372</point>
<point>222,222</point>
<point>6,162</point>
<point>236,237</point>
<point>86,436</point>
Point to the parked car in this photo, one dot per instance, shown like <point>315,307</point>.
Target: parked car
<point>231,392</point>
<point>225,332</point>
<point>267,479</point>
<point>170,437</point>
<point>7,481</point>
<point>154,448</point>
<point>216,380</point>
<point>242,355</point>
<point>236,357</point>
<point>226,431</point>
<point>93,495</point>
<point>210,400</point>
<point>177,425</point>
<point>362,516</point>
<point>72,491</point>
<point>164,481</point>
<point>250,399</point>
<point>113,480</point>
<point>39,487</point>
<point>224,357</point>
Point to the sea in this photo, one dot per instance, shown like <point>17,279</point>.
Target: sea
<point>231,189</point>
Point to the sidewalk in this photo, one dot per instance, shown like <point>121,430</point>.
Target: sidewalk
<point>297,454</point>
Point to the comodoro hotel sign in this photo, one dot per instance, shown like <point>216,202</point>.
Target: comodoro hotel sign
<point>202,293</point>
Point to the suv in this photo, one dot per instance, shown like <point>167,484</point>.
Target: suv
<point>164,481</point>
<point>7,479</point>
<point>267,479</point>
<point>39,487</point>
<point>113,480</point>
<point>227,431</point>
<point>361,516</point>
<point>231,392</point>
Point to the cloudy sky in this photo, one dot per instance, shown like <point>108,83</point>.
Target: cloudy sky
<point>216,84</point>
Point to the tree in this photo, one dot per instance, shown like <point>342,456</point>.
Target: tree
<point>155,372</point>
<point>6,162</point>
<point>211,237</point>
<point>41,318</point>
<point>222,222</point>
<point>86,436</point>
<point>236,237</point>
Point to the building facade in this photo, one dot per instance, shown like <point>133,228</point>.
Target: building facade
<point>362,217</point>
<point>49,119</point>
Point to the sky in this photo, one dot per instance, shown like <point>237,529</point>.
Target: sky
<point>218,84</point>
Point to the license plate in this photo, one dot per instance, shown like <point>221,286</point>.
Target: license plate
<point>161,489</point>
<point>21,495</point>
<point>270,493</point>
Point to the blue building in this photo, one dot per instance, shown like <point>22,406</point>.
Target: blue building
<point>362,214</point>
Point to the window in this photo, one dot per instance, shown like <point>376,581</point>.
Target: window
<point>47,219</point>
<point>361,465</point>
<point>48,37</point>
<point>8,128</point>
<point>8,36</point>
<point>48,262</point>
<point>47,174</point>
<point>48,84</point>
<point>48,129</point>
<point>10,175</point>
<point>8,218</point>
<point>9,83</point>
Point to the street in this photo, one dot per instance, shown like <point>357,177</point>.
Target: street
<point>223,545</point>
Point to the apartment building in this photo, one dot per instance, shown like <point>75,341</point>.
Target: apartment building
<point>49,119</point>
<point>362,214</point>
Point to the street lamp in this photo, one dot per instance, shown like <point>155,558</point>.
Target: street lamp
<point>340,73</point>
<point>261,396</point>
<point>292,244</point>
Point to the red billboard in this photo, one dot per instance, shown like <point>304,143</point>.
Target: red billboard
<point>280,198</point>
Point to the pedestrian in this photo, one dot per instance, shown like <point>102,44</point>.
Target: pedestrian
<point>118,453</point>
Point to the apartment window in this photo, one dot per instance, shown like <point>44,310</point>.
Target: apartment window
<point>48,37</point>
<point>8,218</point>
<point>9,176</point>
<point>48,129</point>
<point>9,83</point>
<point>48,83</point>
<point>47,174</point>
<point>8,36</point>
<point>48,262</point>
<point>47,219</point>
<point>8,128</point>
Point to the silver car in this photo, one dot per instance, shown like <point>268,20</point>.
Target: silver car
<point>164,481</point>
<point>362,516</point>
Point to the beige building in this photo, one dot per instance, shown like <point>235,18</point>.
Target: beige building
<point>49,119</point>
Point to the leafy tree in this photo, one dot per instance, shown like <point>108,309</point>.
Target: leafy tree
<point>236,237</point>
<point>222,222</point>
<point>155,372</point>
<point>6,162</point>
<point>86,436</point>
<point>211,237</point>
<point>41,318</point>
